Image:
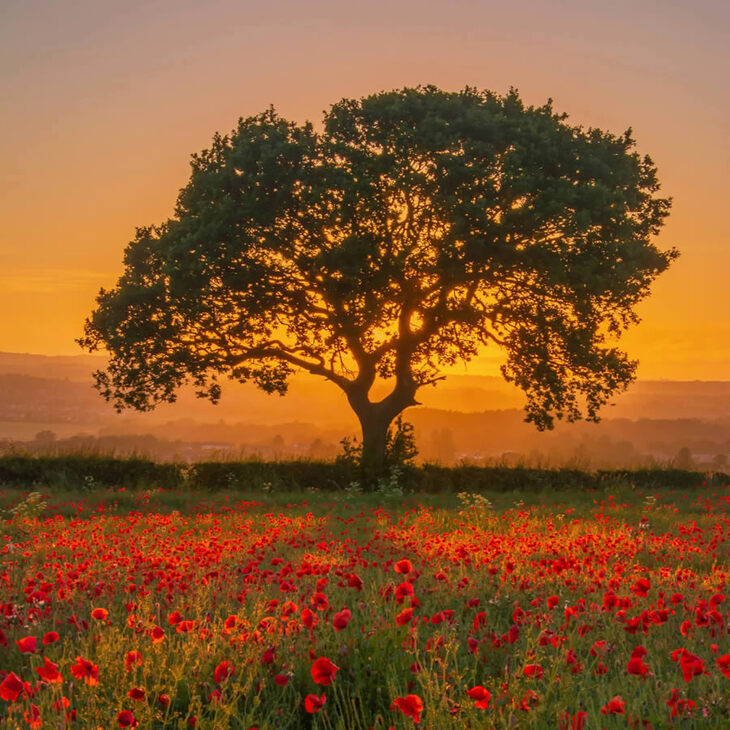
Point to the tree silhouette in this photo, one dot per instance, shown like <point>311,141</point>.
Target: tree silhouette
<point>415,228</point>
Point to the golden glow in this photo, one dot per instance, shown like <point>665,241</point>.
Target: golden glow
<point>103,107</point>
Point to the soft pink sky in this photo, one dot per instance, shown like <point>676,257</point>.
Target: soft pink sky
<point>103,102</point>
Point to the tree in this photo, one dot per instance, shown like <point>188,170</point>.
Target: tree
<point>415,228</point>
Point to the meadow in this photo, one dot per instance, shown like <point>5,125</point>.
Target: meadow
<point>170,608</point>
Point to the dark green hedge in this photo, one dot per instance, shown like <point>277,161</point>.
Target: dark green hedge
<point>97,471</point>
<point>87,471</point>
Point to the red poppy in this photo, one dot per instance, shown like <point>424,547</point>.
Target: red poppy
<point>137,693</point>
<point>27,645</point>
<point>157,634</point>
<point>403,566</point>
<point>576,722</point>
<point>313,704</point>
<point>49,672</point>
<point>132,659</point>
<point>402,591</point>
<point>616,706</point>
<point>410,705</point>
<point>323,671</point>
<point>341,619</point>
<point>84,669</point>
<point>33,717</point>
<point>100,614</point>
<point>533,671</point>
<point>12,686</point>
<point>637,666</point>
<point>126,719</point>
<point>281,679</point>
<point>404,617</point>
<point>223,671</point>
<point>51,637</point>
<point>480,695</point>
<point>723,664</point>
<point>163,700</point>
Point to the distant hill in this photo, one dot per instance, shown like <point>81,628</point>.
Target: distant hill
<point>466,416</point>
<point>323,403</point>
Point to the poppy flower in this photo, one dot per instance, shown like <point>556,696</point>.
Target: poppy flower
<point>341,619</point>
<point>723,664</point>
<point>637,666</point>
<point>126,719</point>
<point>323,671</point>
<point>403,566</point>
<point>49,672</point>
<point>410,706</point>
<point>51,637</point>
<point>480,695</point>
<point>137,693</point>
<point>33,717</point>
<point>615,706</point>
<point>12,686</point>
<point>132,659</point>
<point>404,617</point>
<point>157,634</point>
<point>281,679</point>
<point>534,671</point>
<point>313,704</point>
<point>223,671</point>
<point>402,591</point>
<point>100,614</point>
<point>163,700</point>
<point>576,722</point>
<point>27,645</point>
<point>84,669</point>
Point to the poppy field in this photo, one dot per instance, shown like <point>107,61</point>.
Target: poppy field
<point>605,610</point>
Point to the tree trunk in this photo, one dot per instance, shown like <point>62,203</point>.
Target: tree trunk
<point>375,419</point>
<point>373,465</point>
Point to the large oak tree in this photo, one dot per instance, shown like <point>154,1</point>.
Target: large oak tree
<point>415,228</point>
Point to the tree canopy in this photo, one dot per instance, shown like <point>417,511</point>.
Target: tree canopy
<point>412,229</point>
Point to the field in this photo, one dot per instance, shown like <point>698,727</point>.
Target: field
<point>585,609</point>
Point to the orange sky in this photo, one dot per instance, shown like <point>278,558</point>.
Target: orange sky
<point>103,102</point>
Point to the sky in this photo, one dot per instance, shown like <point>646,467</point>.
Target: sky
<point>102,103</point>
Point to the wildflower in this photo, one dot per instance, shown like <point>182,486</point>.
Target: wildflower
<point>100,614</point>
<point>33,717</point>
<point>534,671</point>
<point>49,672</point>
<point>313,704</point>
<point>403,566</point>
<point>615,706</point>
<point>410,706</point>
<point>84,669</point>
<point>132,659</point>
<point>341,619</point>
<point>136,693</point>
<point>126,719</point>
<point>51,637</point>
<point>27,645</point>
<point>480,695</point>
<point>323,671</point>
<point>12,686</point>
<point>223,671</point>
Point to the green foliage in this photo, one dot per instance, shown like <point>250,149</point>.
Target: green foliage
<point>416,228</point>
